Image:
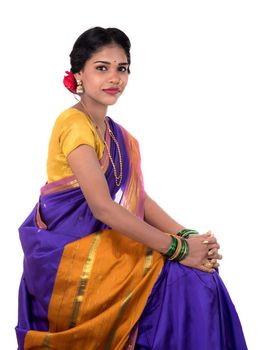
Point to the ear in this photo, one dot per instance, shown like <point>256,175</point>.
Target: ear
<point>78,76</point>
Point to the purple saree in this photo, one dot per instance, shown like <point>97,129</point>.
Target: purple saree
<point>86,286</point>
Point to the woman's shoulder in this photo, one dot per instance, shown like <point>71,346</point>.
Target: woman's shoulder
<point>72,114</point>
<point>72,117</point>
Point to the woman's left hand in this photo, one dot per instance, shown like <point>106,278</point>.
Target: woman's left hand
<point>212,258</point>
<point>203,252</point>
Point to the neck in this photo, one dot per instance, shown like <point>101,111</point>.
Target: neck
<point>97,112</point>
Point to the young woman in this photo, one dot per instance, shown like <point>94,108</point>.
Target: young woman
<point>105,267</point>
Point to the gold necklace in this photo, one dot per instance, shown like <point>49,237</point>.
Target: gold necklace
<point>118,178</point>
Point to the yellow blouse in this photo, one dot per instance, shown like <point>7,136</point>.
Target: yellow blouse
<point>71,129</point>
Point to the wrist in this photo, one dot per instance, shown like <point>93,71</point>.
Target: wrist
<point>167,244</point>
<point>178,249</point>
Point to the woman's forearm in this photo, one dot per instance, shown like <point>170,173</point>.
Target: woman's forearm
<point>157,217</point>
<point>120,219</point>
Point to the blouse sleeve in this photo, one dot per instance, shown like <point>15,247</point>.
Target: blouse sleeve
<point>76,130</point>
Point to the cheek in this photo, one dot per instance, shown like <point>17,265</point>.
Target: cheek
<point>91,83</point>
<point>125,80</point>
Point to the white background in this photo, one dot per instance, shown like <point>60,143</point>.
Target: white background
<point>191,102</point>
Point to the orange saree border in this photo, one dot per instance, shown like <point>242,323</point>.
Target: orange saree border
<point>98,288</point>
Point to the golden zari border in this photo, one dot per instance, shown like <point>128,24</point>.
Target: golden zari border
<point>86,271</point>
<point>146,267</point>
<point>121,313</point>
<point>46,342</point>
<point>148,261</point>
<point>60,185</point>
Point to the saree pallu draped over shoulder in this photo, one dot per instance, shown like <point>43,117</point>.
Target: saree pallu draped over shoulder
<point>85,285</point>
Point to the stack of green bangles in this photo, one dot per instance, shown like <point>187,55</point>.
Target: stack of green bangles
<point>178,249</point>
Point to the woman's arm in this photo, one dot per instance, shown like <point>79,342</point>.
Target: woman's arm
<point>157,217</point>
<point>85,166</point>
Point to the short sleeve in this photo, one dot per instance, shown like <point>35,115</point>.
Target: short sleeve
<point>76,130</point>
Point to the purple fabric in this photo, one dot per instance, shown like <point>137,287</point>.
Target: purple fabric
<point>68,218</point>
<point>189,310</point>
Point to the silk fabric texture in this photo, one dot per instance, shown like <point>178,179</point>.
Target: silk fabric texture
<point>86,286</point>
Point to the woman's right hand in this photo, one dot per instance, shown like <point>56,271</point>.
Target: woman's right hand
<point>199,248</point>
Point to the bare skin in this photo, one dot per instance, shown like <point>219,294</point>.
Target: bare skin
<point>153,231</point>
<point>157,217</point>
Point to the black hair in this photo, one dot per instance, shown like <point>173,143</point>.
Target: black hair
<point>92,40</point>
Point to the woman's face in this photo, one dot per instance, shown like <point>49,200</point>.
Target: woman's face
<point>105,75</point>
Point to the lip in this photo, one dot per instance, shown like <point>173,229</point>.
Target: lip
<point>112,91</point>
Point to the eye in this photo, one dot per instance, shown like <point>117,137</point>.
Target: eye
<point>122,69</point>
<point>101,68</point>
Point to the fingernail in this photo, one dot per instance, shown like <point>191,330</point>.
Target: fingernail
<point>210,252</point>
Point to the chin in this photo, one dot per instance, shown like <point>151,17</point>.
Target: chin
<point>111,101</point>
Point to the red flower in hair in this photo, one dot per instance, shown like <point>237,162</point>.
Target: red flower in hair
<point>70,82</point>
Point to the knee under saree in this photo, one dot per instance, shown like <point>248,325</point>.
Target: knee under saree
<point>87,287</point>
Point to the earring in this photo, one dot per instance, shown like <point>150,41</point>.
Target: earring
<point>79,88</point>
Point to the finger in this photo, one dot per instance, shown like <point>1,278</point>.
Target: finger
<point>212,245</point>
<point>216,256</point>
<point>209,264</point>
<point>213,251</point>
<point>213,254</point>
<point>205,269</point>
<point>213,261</point>
<point>216,265</point>
<point>210,240</point>
<point>206,235</point>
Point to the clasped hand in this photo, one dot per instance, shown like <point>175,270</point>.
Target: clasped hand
<point>203,252</point>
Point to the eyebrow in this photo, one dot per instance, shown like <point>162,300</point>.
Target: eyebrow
<point>120,64</point>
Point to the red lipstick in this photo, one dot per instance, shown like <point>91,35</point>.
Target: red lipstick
<point>112,91</point>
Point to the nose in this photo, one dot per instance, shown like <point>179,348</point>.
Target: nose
<point>115,78</point>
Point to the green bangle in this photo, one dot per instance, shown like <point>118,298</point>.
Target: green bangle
<point>184,250</point>
<point>186,233</point>
<point>172,247</point>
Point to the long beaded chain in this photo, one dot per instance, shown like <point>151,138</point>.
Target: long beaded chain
<point>118,179</point>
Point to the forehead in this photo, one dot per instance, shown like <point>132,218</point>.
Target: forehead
<point>110,53</point>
